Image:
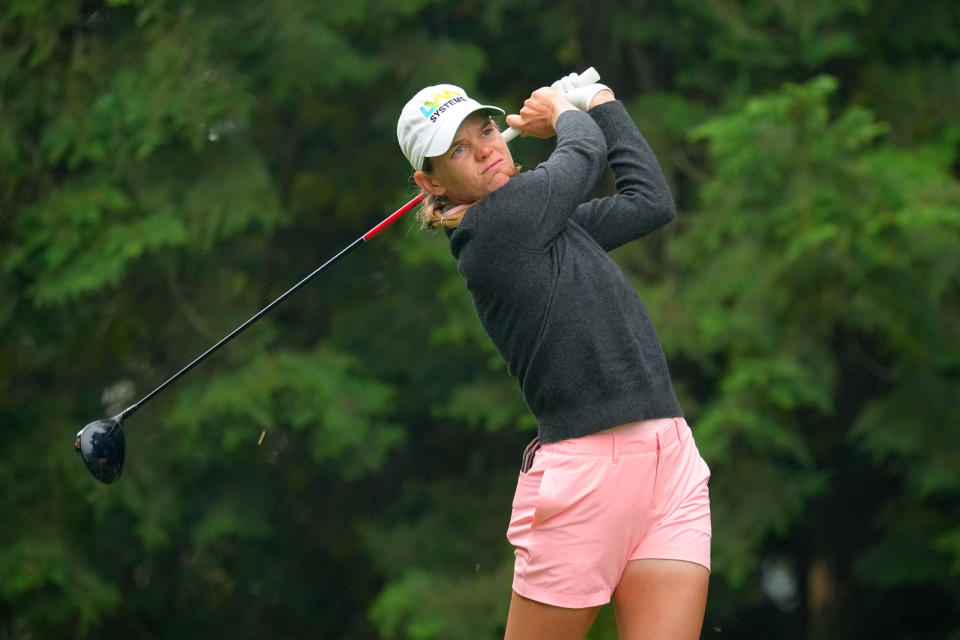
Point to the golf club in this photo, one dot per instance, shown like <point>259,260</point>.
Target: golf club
<point>101,443</point>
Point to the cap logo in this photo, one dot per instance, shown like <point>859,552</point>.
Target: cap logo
<point>440,103</point>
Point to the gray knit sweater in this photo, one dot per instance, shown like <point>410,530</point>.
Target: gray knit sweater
<point>558,309</point>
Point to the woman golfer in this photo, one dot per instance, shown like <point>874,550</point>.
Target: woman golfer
<point>615,504</point>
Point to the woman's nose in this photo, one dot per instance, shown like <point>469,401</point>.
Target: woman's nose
<point>483,149</point>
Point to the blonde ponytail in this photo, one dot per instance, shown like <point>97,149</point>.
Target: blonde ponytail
<point>431,216</point>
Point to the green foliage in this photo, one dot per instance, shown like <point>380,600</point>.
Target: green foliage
<point>314,392</point>
<point>76,596</point>
<point>458,606</point>
<point>814,236</point>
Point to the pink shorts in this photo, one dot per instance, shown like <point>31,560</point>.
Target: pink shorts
<point>590,505</point>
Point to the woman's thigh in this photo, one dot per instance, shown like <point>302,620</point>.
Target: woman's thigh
<point>661,600</point>
<point>532,620</point>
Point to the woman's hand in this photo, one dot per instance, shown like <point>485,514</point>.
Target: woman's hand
<point>538,116</point>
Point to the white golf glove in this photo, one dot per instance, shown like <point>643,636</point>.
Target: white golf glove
<point>566,83</point>
<point>580,97</point>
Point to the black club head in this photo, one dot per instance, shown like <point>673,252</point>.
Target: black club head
<point>102,448</point>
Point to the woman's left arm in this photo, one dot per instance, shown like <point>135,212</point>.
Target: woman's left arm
<point>643,202</point>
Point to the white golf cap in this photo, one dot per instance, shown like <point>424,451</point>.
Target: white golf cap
<point>429,121</point>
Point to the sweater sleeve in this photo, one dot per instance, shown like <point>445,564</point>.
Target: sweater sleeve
<point>643,202</point>
<point>530,210</point>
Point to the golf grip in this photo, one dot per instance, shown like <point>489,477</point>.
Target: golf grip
<point>587,77</point>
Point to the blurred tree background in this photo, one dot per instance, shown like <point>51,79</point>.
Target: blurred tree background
<point>344,469</point>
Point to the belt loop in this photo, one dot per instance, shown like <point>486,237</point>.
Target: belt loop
<point>616,448</point>
<point>676,424</point>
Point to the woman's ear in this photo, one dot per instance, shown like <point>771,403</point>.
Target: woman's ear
<point>426,182</point>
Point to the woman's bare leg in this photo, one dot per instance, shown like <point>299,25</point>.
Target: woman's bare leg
<point>661,600</point>
<point>532,620</point>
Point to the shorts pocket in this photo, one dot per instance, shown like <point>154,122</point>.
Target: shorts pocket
<point>568,489</point>
<point>526,499</point>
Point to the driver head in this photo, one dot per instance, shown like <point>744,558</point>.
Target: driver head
<point>102,448</point>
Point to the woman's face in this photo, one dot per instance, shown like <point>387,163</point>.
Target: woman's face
<point>477,163</point>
